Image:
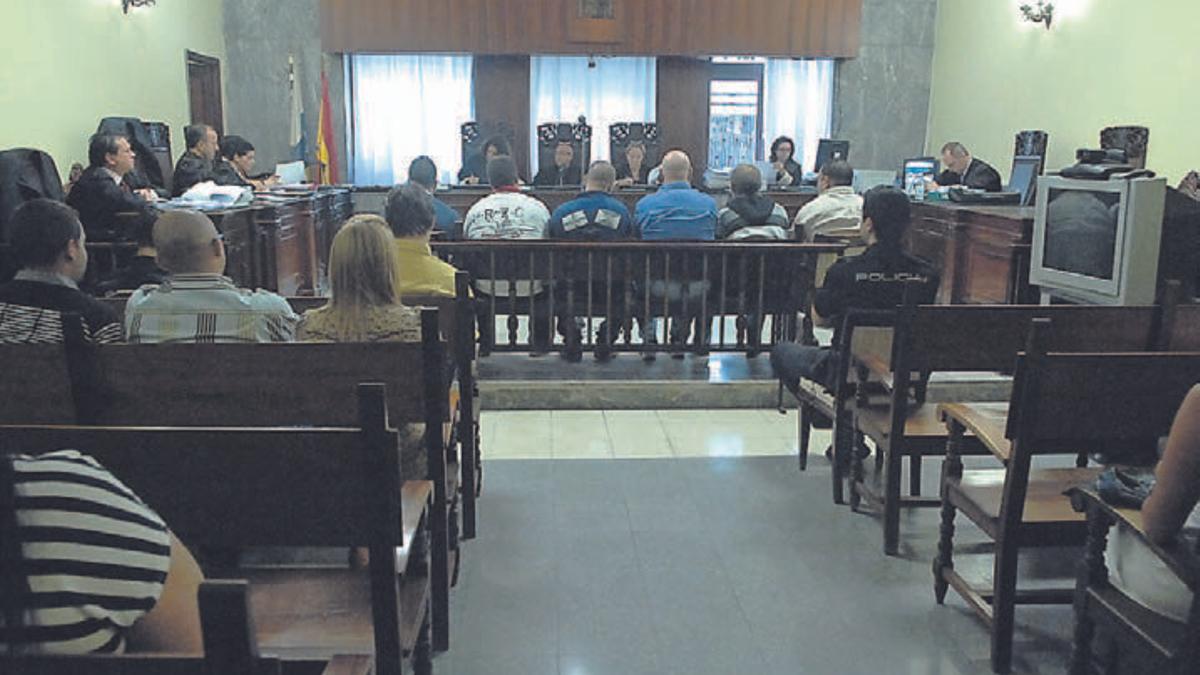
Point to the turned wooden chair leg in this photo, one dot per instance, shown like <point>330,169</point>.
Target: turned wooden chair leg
<point>952,470</point>
<point>1092,572</point>
<point>914,475</point>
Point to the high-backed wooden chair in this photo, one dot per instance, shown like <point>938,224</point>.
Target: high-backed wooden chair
<point>961,338</point>
<point>1032,143</point>
<point>621,135</point>
<point>1061,404</point>
<point>1131,633</point>
<point>1134,140</point>
<point>578,135</point>
<point>271,486</point>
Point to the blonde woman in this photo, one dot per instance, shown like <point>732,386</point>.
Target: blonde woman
<point>365,305</point>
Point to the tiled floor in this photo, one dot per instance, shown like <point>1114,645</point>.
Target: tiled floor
<point>704,565</point>
<point>595,434</point>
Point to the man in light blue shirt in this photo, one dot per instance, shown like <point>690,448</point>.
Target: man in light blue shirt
<point>678,212</point>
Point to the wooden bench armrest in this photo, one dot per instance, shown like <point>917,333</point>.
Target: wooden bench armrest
<point>1180,557</point>
<point>350,664</point>
<point>986,421</point>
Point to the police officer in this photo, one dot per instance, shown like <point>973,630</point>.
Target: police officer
<point>866,281</point>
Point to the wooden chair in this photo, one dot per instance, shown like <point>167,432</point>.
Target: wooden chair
<point>1138,636</point>
<point>1061,403</point>
<point>960,338</point>
<point>266,385</point>
<point>272,486</point>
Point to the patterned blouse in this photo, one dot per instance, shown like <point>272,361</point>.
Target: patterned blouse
<point>393,323</point>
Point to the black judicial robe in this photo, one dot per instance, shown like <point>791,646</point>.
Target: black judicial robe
<point>554,176</point>
<point>98,199</point>
<point>190,170</point>
<point>980,175</point>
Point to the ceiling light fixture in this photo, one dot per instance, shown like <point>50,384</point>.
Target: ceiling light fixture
<point>126,4</point>
<point>1043,13</point>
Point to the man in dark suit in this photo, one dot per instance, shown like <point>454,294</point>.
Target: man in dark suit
<point>195,165</point>
<point>963,169</point>
<point>100,193</point>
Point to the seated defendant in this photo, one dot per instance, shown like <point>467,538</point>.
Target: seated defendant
<point>836,209</point>
<point>750,214</point>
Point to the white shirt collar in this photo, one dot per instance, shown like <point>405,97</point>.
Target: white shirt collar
<point>112,174</point>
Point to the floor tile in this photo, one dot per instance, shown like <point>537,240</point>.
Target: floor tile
<point>579,434</point>
<point>522,435</point>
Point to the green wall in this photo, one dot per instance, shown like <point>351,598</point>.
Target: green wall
<point>1103,62</point>
<point>67,63</point>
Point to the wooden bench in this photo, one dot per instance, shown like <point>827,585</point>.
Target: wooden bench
<point>1138,636</point>
<point>464,410</point>
<point>1061,404</point>
<point>959,338</point>
<point>230,646</point>
<point>271,486</point>
<point>745,281</point>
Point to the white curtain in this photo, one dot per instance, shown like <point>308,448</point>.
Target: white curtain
<point>618,89</point>
<point>798,102</point>
<point>405,106</point>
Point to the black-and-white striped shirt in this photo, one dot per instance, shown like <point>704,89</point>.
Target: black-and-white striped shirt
<point>95,555</point>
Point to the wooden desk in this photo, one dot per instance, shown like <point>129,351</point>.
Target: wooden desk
<point>982,252</point>
<point>461,199</point>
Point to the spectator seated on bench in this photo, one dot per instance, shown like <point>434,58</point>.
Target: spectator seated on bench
<point>110,576</point>
<point>836,209</point>
<point>1174,504</point>
<point>48,242</point>
<point>197,303</point>
<point>859,282</point>
<point>412,214</point>
<point>365,307</point>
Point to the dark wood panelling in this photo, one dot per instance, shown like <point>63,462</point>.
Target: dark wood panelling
<point>651,27</point>
<point>502,95</point>
<point>683,107</point>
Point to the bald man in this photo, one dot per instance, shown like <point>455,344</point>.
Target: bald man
<point>197,303</point>
<point>963,169</point>
<point>678,212</point>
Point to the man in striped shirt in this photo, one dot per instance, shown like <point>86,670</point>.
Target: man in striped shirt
<point>48,242</point>
<point>86,566</point>
<point>198,303</point>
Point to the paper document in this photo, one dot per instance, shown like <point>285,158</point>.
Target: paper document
<point>291,173</point>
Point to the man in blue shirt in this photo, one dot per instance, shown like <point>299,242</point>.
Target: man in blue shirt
<point>681,213</point>
<point>677,211</point>
<point>595,215</point>
<point>423,172</point>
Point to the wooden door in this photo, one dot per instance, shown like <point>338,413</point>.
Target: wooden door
<point>204,91</point>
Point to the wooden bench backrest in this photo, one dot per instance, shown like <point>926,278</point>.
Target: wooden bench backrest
<point>35,385</point>
<point>260,384</point>
<point>1084,398</point>
<point>249,486</point>
<point>988,337</point>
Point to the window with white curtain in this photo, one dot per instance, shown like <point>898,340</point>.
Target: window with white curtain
<point>797,101</point>
<point>404,106</point>
<point>616,89</point>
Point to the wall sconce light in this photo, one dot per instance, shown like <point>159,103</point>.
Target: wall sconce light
<point>1043,13</point>
<point>126,4</point>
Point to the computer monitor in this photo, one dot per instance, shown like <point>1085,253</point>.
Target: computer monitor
<point>1097,241</point>
<point>918,169</point>
<point>829,150</point>
<point>1024,177</point>
<point>865,179</point>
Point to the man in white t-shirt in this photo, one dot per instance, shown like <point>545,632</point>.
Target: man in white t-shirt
<point>507,213</point>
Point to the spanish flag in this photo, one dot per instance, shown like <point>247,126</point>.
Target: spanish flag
<point>326,146</point>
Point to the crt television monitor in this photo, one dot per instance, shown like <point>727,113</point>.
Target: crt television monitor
<point>1097,242</point>
<point>1023,178</point>
<point>829,150</point>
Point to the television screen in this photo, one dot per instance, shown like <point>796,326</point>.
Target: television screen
<point>1081,232</point>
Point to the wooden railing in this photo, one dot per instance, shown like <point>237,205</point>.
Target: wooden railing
<point>756,288</point>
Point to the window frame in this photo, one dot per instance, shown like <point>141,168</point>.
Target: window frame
<point>720,71</point>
